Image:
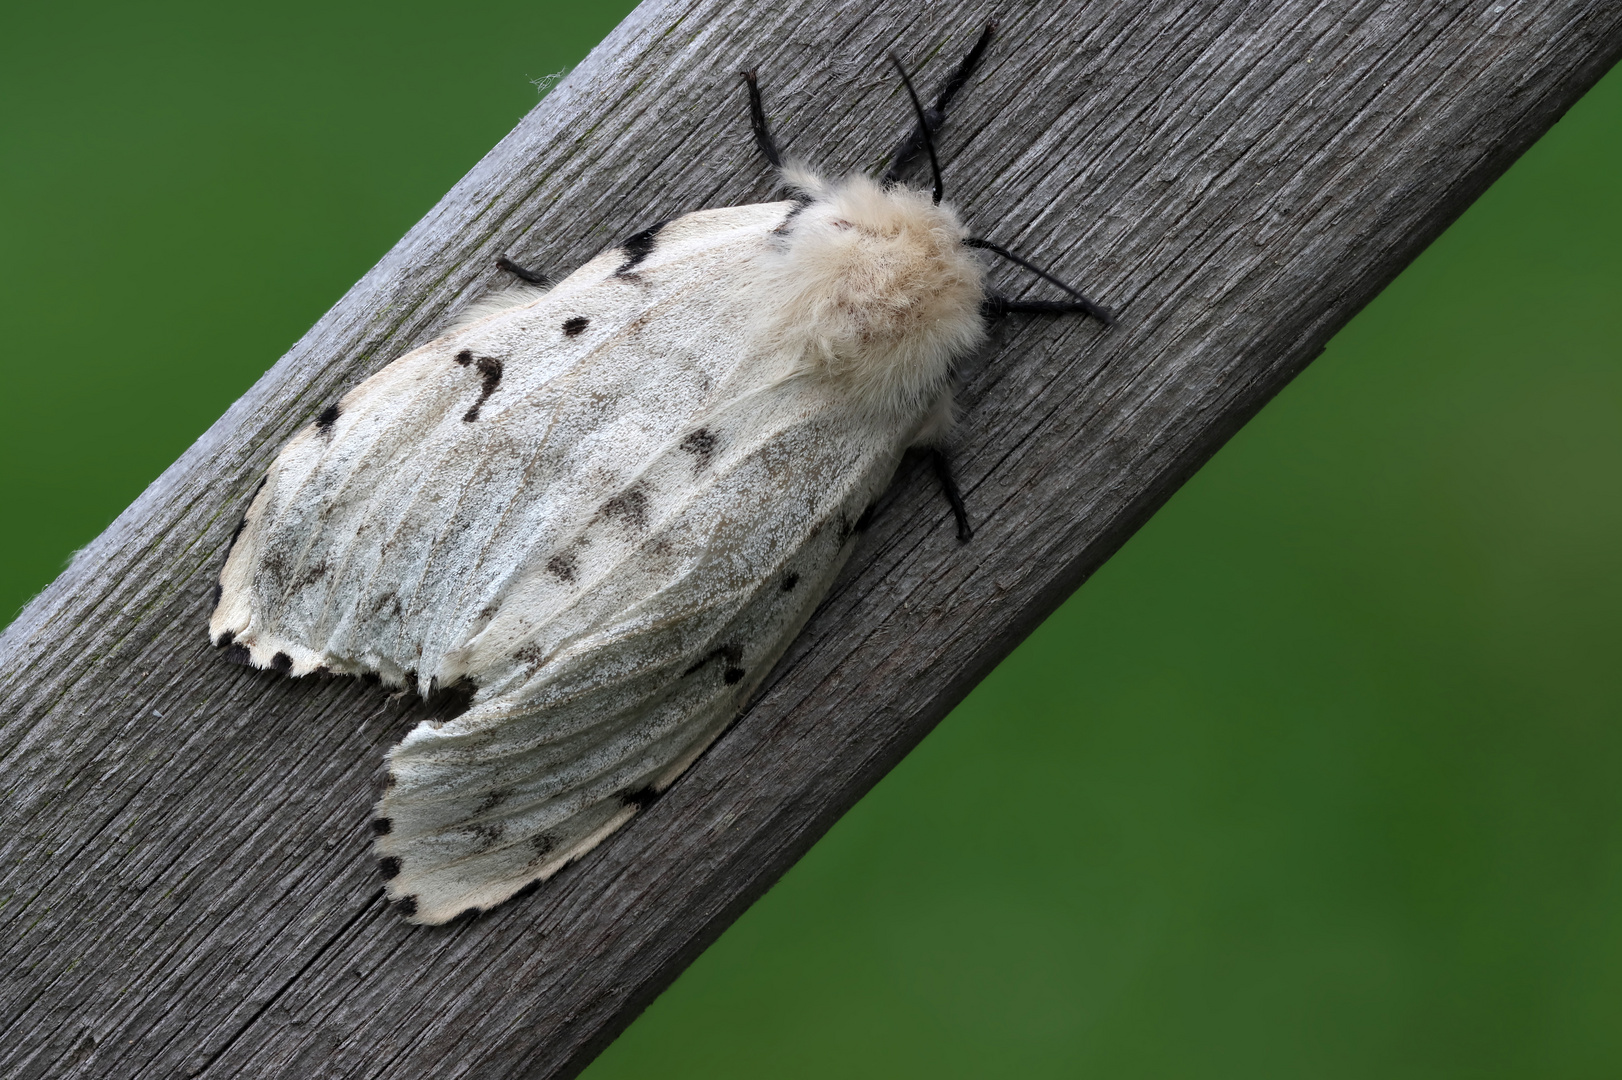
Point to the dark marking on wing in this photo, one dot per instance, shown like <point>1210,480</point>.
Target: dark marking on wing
<point>314,574</point>
<point>389,780</point>
<point>734,675</point>
<point>467,915</point>
<point>372,678</point>
<point>790,581</point>
<point>226,639</point>
<point>543,843</point>
<point>732,654</point>
<point>281,662</point>
<point>631,505</point>
<point>219,591</point>
<point>465,357</point>
<point>845,528</point>
<point>407,906</point>
<point>382,826</point>
<point>389,867</point>
<point>388,599</point>
<point>328,417</point>
<point>561,566</point>
<point>528,890</point>
<point>638,248</point>
<point>641,798</point>
<point>490,369</point>
<point>576,326</point>
<point>701,444</point>
<point>487,834</point>
<point>493,800</point>
<point>238,654</point>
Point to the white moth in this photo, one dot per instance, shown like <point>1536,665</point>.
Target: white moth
<point>602,511</point>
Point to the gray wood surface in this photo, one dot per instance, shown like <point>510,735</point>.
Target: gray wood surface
<point>185,888</point>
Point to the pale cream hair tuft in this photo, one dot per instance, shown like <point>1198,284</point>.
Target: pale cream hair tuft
<point>873,287</point>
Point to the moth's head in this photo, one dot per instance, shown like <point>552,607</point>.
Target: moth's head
<point>875,288</point>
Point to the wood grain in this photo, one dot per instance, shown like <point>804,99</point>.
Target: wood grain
<point>185,883</point>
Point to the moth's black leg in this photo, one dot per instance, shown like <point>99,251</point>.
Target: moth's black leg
<point>534,277</point>
<point>757,121</point>
<point>943,472</point>
<point>909,147</point>
<point>994,307</point>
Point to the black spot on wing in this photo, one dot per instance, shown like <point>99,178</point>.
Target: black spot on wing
<point>638,248</point>
<point>281,662</point>
<point>640,798</point>
<point>382,826</point>
<point>238,654</point>
<point>790,581</point>
<point>389,867</point>
<point>732,654</point>
<point>701,444</point>
<point>575,326</point>
<point>528,890</point>
<point>467,915</point>
<point>489,369</point>
<point>328,417</point>
<point>733,675</point>
<point>543,845</point>
<point>465,357</point>
<point>561,566</point>
<point>493,800</point>
<point>630,506</point>
<point>226,639</point>
<point>219,591</point>
<point>406,906</point>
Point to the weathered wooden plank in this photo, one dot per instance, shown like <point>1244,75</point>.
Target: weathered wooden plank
<point>184,877</point>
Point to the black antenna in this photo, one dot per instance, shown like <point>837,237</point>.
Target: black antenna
<point>1082,303</point>
<point>935,116</point>
<point>757,121</point>
<point>923,126</point>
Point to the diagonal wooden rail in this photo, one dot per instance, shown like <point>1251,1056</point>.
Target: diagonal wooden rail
<point>185,888</point>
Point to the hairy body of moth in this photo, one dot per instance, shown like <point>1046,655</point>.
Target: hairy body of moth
<point>605,510</point>
<point>609,509</point>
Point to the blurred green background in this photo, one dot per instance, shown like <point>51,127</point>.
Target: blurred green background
<point>1320,776</point>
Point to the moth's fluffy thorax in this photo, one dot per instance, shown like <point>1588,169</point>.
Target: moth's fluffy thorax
<point>872,287</point>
